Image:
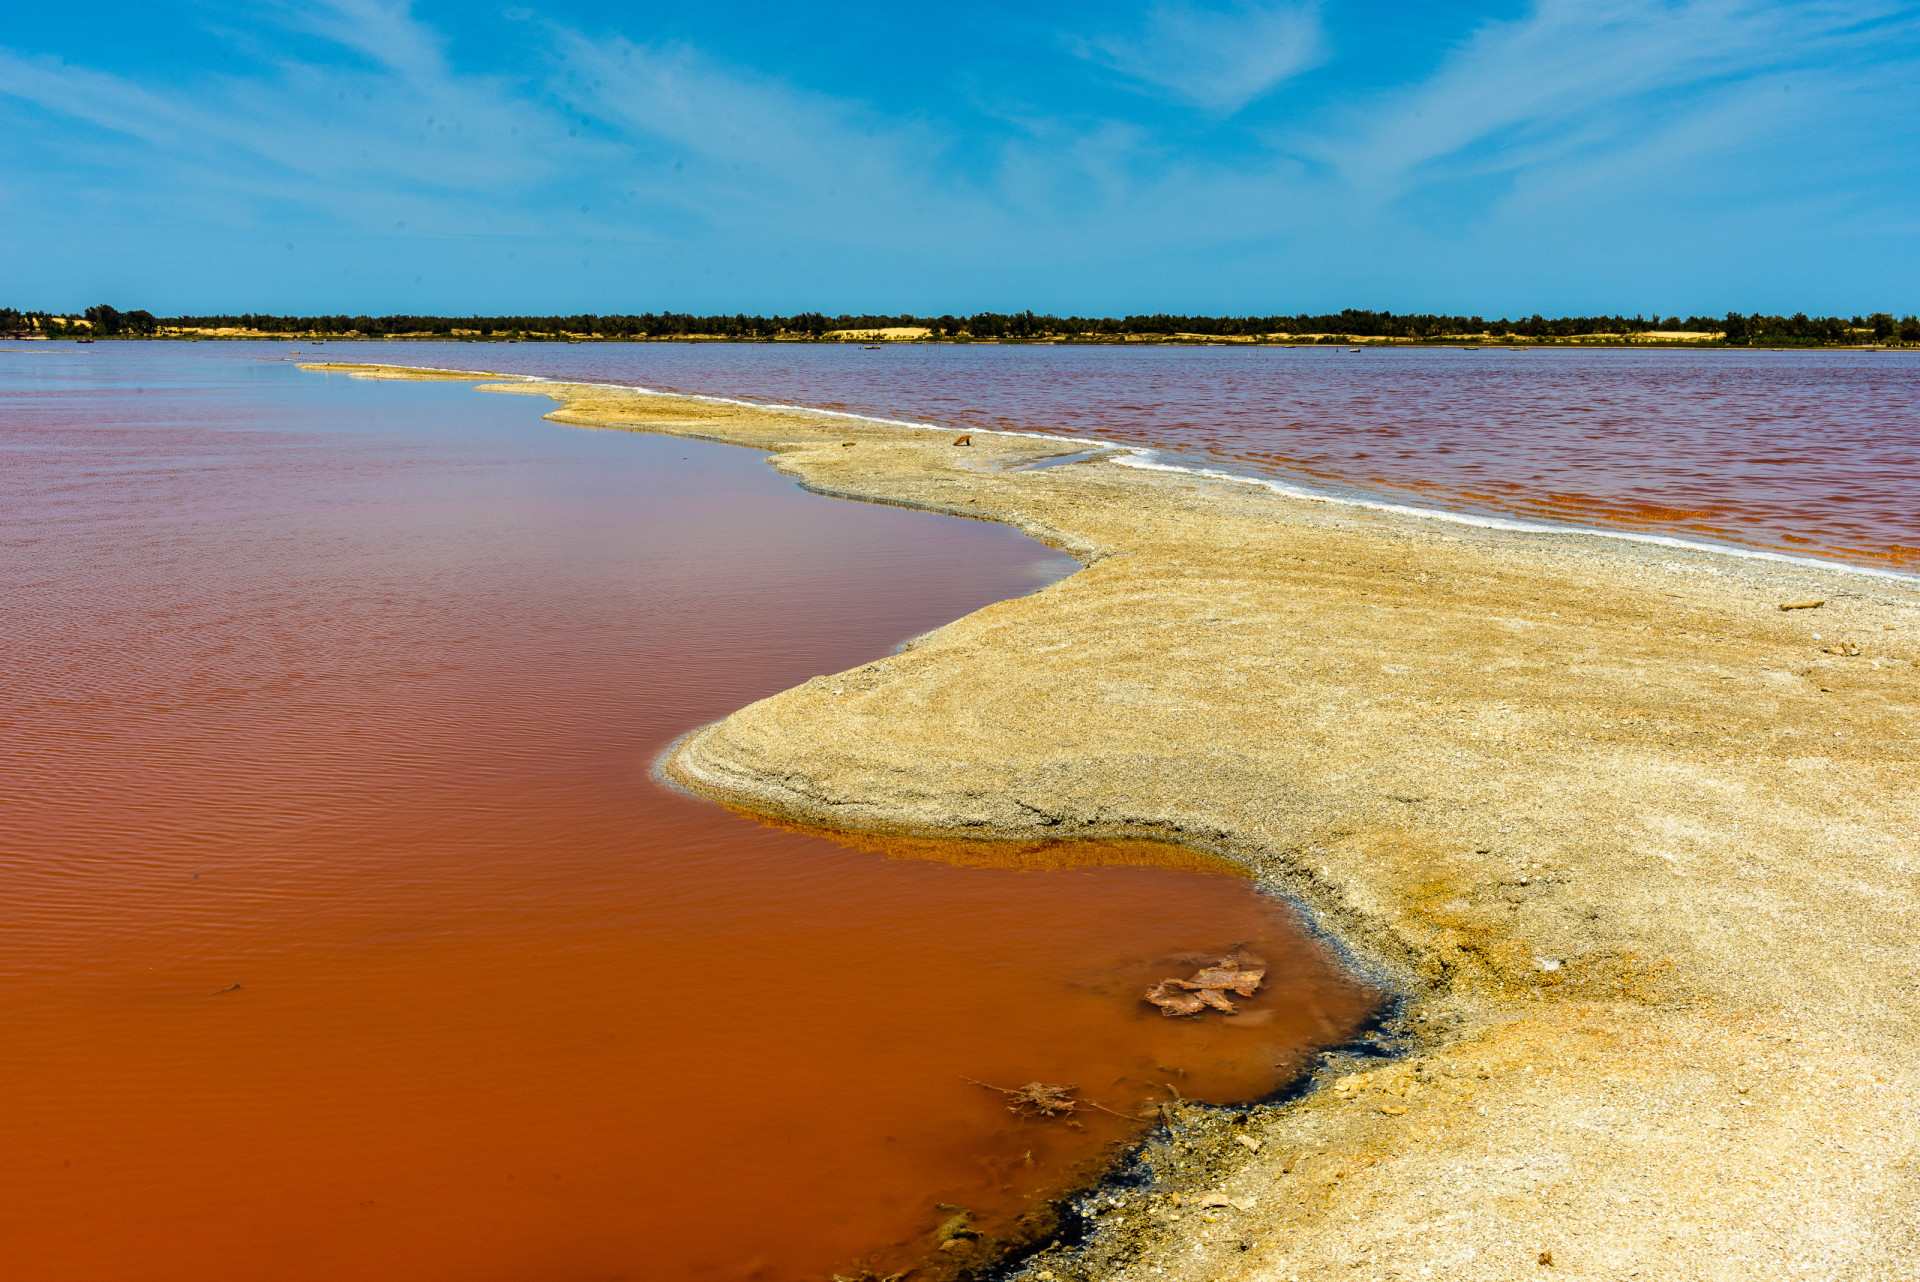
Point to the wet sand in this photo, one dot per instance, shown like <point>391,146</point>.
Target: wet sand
<point>1639,844</point>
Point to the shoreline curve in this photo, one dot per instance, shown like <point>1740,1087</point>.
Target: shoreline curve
<point>1638,844</point>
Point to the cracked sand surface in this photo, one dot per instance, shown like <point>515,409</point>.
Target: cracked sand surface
<point>1640,851</point>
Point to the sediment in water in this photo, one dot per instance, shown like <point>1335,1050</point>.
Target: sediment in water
<point>1638,844</point>
<point>1190,1140</point>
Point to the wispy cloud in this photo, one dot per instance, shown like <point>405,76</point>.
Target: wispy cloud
<point>1572,82</point>
<point>1215,56</point>
<point>406,140</point>
<point>383,31</point>
<point>758,148</point>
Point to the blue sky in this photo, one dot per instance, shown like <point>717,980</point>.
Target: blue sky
<point>1218,156</point>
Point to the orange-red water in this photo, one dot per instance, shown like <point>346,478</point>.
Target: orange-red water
<point>344,933</point>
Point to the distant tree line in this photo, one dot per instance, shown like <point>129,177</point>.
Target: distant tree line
<point>1755,330</point>
<point>1802,329</point>
<point>100,320</point>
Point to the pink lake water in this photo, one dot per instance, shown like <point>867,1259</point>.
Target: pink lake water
<point>1807,453</point>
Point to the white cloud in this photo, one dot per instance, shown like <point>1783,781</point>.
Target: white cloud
<point>405,140</point>
<point>1573,81</point>
<point>384,31</point>
<point>754,142</point>
<point>763,152</point>
<point>1218,57</point>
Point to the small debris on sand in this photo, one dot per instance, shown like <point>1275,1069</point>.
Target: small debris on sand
<point>1238,972</point>
<point>965,440</point>
<point>1802,605</point>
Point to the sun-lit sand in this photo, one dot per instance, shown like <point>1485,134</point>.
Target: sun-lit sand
<point>892,333</point>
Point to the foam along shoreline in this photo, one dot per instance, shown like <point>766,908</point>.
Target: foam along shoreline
<point>1638,845</point>
<point>1147,458</point>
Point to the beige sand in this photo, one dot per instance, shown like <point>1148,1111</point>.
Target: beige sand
<point>891,334</point>
<point>1640,846</point>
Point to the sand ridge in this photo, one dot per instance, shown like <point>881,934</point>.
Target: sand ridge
<point>1638,846</point>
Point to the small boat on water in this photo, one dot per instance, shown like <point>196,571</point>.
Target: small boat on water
<point>871,347</point>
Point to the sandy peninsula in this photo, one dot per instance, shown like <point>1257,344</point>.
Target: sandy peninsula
<point>1639,846</point>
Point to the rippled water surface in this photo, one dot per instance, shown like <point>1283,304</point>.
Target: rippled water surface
<point>1815,453</point>
<point>344,933</point>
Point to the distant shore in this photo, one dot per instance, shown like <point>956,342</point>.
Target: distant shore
<point>1630,826</point>
<point>1652,342</point>
<point>1347,326</point>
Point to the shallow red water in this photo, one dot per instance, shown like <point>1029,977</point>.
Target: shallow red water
<point>343,931</point>
<point>1813,453</point>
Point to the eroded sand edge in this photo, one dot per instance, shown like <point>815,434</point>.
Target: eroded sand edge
<point>1640,848</point>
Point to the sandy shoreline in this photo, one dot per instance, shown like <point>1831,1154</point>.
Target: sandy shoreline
<point>1640,846</point>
